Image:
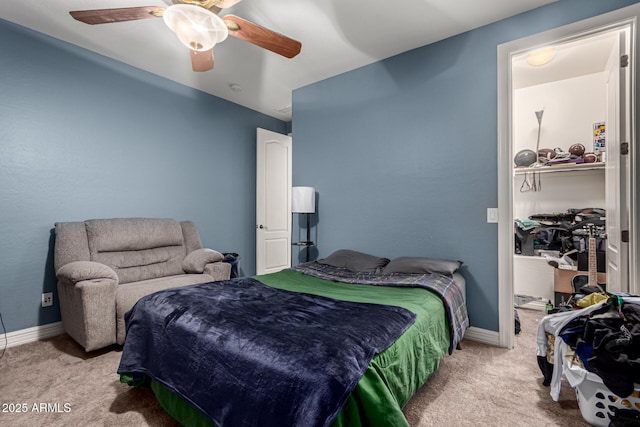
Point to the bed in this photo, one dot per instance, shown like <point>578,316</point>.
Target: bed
<point>324,343</point>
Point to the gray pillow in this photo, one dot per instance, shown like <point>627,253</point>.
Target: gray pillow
<point>196,260</point>
<point>356,261</point>
<point>419,265</point>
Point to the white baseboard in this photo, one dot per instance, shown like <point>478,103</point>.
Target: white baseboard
<point>34,334</point>
<point>484,336</point>
<point>539,305</point>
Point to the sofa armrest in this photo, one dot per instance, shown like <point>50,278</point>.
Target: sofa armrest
<point>79,271</point>
<point>218,270</point>
<point>196,261</point>
<point>87,295</point>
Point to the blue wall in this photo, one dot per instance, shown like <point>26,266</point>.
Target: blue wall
<point>403,152</point>
<point>82,136</point>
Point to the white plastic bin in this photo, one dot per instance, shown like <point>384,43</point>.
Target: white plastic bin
<point>597,403</point>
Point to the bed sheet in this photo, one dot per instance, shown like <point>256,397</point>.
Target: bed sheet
<point>393,375</point>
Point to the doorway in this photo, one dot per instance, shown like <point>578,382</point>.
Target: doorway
<point>529,96</point>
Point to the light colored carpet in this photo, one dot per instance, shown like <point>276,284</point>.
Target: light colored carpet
<point>477,386</point>
<point>487,386</point>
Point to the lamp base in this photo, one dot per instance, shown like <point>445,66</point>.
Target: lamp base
<point>306,243</point>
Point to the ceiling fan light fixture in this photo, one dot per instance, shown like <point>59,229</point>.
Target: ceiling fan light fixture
<point>197,28</point>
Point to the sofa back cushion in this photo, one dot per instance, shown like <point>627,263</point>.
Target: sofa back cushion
<point>70,244</point>
<point>137,248</point>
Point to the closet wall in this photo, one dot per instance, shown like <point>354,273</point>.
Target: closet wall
<point>571,107</point>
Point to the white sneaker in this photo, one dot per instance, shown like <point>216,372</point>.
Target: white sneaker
<point>555,262</point>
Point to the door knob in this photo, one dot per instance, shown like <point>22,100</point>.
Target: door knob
<point>260,226</point>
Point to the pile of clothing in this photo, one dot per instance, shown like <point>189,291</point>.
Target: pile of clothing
<point>557,231</point>
<point>606,340</point>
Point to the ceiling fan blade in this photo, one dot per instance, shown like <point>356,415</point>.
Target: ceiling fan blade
<point>260,36</point>
<point>106,16</point>
<point>201,60</point>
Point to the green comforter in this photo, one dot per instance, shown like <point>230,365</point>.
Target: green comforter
<point>393,375</point>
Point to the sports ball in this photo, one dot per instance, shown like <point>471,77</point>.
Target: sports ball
<point>546,153</point>
<point>525,158</point>
<point>577,150</point>
<point>590,158</point>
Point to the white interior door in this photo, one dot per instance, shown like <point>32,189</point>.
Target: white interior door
<point>273,202</point>
<point>617,132</point>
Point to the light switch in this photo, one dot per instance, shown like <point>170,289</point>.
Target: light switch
<point>492,215</point>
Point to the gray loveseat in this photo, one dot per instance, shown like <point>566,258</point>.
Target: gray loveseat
<point>104,266</point>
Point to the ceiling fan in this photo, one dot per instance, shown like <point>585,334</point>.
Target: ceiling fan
<point>198,26</point>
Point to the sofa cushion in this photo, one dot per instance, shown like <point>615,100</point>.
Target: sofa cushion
<point>132,234</point>
<point>191,236</point>
<point>70,244</point>
<point>137,248</point>
<point>127,295</point>
<point>196,260</point>
<point>85,270</point>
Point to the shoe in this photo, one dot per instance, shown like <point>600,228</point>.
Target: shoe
<point>555,262</point>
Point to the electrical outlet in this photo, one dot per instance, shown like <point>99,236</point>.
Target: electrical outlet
<point>47,299</point>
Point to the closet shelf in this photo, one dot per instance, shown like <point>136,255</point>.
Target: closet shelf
<point>530,257</point>
<point>561,168</point>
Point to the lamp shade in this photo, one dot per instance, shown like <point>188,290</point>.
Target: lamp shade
<point>196,27</point>
<point>303,200</point>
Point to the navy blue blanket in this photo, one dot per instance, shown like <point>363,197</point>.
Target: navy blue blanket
<point>246,354</point>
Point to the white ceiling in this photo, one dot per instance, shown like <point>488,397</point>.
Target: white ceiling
<point>336,36</point>
<point>573,58</point>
